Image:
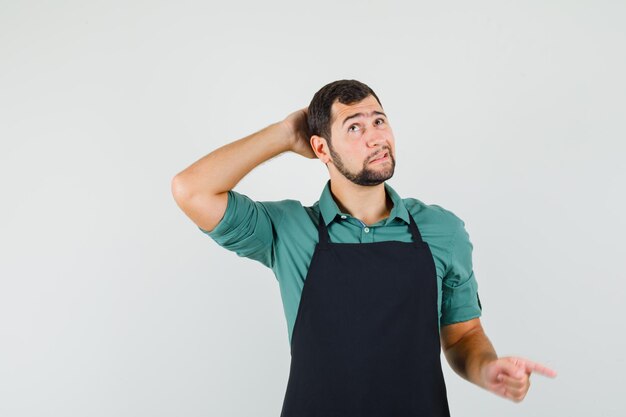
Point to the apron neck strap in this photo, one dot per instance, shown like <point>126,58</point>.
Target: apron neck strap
<point>324,238</point>
<point>415,231</point>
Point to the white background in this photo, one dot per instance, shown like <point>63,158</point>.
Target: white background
<point>112,303</point>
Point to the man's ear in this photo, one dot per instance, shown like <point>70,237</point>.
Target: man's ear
<point>320,147</point>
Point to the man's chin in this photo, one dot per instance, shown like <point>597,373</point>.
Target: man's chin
<point>373,181</point>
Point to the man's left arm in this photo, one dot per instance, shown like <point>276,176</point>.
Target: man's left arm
<point>471,355</point>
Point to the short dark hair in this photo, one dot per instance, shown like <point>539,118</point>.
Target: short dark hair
<point>346,92</point>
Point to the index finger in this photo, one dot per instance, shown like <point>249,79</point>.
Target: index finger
<point>540,369</point>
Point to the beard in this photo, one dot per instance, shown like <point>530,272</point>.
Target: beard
<point>365,176</point>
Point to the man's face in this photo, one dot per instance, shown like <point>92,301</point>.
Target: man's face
<point>362,146</point>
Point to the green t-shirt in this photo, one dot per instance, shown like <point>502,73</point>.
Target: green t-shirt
<point>282,236</point>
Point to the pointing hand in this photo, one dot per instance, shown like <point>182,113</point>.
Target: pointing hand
<point>509,377</point>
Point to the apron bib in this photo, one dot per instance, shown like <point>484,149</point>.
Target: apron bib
<point>365,341</point>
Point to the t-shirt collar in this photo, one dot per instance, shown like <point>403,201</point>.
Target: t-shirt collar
<point>330,210</point>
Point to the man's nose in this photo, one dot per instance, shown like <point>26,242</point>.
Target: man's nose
<point>375,139</point>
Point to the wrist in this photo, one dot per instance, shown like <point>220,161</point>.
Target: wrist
<point>482,363</point>
<point>285,134</point>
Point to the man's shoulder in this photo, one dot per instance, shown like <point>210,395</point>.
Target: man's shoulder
<point>276,209</point>
<point>286,204</point>
<point>291,210</point>
<point>432,213</point>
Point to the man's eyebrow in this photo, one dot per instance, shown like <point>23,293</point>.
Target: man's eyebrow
<point>360,115</point>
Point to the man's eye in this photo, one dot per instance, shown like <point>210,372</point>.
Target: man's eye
<point>382,120</point>
<point>350,128</point>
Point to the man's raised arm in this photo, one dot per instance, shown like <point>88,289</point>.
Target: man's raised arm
<point>201,190</point>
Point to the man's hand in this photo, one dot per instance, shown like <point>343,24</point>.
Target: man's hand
<point>509,377</point>
<point>471,355</point>
<point>297,130</point>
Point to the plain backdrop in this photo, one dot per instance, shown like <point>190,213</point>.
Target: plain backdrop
<point>511,114</point>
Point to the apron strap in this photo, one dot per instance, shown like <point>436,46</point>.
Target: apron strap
<point>324,238</point>
<point>415,231</point>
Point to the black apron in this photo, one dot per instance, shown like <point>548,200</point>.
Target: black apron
<point>365,342</point>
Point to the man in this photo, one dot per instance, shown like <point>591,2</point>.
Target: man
<point>373,285</point>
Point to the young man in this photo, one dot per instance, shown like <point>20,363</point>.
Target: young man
<point>373,285</point>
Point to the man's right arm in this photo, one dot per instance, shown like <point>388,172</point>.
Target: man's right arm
<point>201,190</point>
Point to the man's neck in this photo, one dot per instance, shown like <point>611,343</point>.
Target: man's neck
<point>370,204</point>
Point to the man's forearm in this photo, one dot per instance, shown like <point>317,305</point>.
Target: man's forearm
<point>467,356</point>
<point>222,169</point>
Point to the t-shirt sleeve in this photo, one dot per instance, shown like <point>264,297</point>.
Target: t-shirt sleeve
<point>247,228</point>
<point>460,301</point>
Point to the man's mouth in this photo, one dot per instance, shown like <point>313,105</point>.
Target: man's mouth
<point>382,157</point>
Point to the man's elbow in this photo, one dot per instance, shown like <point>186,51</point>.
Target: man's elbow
<point>452,334</point>
<point>204,208</point>
<point>180,189</point>
<point>187,197</point>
